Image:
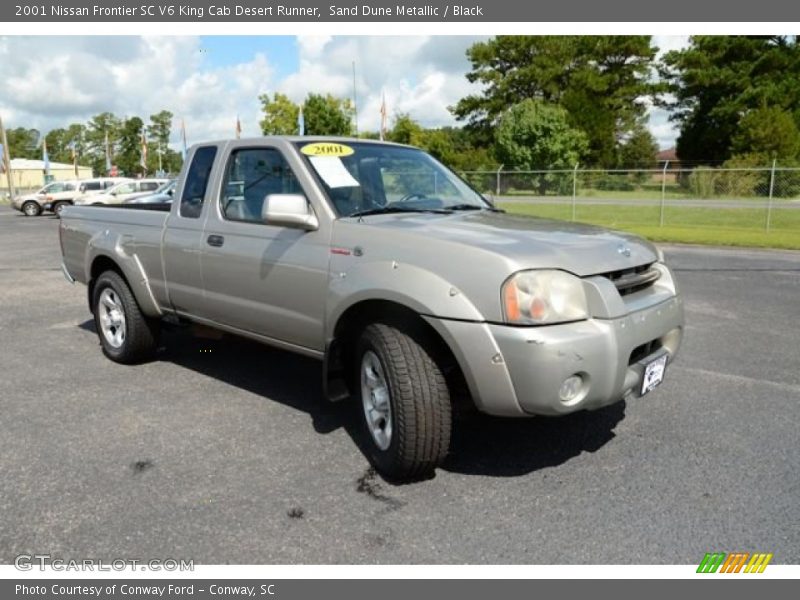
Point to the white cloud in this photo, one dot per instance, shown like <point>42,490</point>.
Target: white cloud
<point>52,81</point>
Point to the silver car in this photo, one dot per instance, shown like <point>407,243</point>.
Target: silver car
<point>412,289</point>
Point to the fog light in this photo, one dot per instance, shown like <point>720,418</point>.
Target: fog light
<point>571,389</point>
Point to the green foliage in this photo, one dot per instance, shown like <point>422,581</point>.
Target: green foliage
<point>601,81</point>
<point>327,115</point>
<point>537,135</point>
<point>638,150</point>
<point>129,149</point>
<point>23,143</point>
<point>280,115</point>
<point>94,140</point>
<point>719,78</point>
<point>769,131</point>
<point>405,130</point>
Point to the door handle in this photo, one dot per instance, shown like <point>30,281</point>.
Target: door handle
<point>215,240</point>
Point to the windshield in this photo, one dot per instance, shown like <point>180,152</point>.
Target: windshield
<point>363,177</point>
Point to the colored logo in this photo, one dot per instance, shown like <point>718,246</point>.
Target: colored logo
<point>624,250</point>
<point>735,562</point>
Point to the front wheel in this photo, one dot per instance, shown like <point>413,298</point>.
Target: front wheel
<point>31,209</point>
<point>405,403</point>
<point>126,335</point>
<point>59,206</point>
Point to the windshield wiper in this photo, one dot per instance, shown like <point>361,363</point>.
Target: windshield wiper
<point>474,207</point>
<point>383,210</point>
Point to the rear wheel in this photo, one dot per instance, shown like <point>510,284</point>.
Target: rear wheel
<point>404,403</point>
<point>126,335</point>
<point>31,209</point>
<point>58,207</point>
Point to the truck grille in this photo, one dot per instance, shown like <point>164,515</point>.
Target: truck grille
<point>630,281</point>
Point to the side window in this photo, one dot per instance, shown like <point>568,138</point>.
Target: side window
<point>252,175</point>
<point>149,186</point>
<point>194,190</point>
<point>126,188</point>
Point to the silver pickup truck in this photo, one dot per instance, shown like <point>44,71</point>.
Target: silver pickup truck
<point>413,289</point>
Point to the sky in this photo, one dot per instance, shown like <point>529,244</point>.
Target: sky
<point>209,81</point>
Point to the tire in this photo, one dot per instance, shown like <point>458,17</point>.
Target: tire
<point>58,207</point>
<point>31,209</point>
<point>410,439</point>
<point>126,335</point>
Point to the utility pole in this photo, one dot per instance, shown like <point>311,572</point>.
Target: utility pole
<point>355,105</point>
<point>7,159</point>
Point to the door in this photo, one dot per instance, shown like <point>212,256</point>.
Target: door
<point>182,236</point>
<point>263,278</point>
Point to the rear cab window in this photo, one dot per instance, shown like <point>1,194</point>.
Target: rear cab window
<point>194,188</point>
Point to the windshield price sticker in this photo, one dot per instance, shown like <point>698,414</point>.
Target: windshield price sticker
<point>326,149</point>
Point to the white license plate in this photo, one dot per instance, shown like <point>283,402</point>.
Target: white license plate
<point>654,374</point>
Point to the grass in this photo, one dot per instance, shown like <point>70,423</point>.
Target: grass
<point>713,226</point>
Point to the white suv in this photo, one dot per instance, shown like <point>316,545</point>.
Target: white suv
<point>31,205</point>
<point>122,192</point>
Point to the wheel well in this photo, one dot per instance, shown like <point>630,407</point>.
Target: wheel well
<point>100,265</point>
<point>340,353</point>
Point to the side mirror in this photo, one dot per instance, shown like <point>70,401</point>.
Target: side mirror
<point>490,199</point>
<point>289,210</point>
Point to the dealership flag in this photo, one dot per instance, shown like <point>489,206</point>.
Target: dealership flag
<point>383,116</point>
<point>108,156</point>
<point>301,122</point>
<point>238,127</point>
<point>45,157</point>
<point>144,153</point>
<point>183,137</point>
<point>74,152</point>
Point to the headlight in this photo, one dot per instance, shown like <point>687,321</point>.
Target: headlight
<point>543,298</point>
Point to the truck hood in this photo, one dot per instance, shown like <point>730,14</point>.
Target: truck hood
<point>530,242</point>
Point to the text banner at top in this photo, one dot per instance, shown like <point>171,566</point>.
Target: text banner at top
<point>311,11</point>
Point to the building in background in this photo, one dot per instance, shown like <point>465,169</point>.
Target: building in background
<point>27,174</point>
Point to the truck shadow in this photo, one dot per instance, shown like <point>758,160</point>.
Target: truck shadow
<point>481,445</point>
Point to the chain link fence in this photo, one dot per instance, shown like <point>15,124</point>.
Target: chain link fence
<point>740,197</point>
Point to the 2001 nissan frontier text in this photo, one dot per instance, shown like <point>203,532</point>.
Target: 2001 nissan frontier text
<point>412,288</point>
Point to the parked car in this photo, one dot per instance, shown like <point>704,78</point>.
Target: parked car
<point>32,205</point>
<point>86,187</point>
<point>162,195</point>
<point>123,191</point>
<point>414,291</point>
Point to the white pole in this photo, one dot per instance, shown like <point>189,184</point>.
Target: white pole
<point>574,190</point>
<point>771,190</point>
<point>497,185</point>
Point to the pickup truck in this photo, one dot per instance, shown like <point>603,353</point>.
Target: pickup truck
<point>416,292</point>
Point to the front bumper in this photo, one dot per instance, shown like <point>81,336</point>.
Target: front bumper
<point>517,371</point>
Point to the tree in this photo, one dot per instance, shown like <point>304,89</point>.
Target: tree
<point>61,142</point>
<point>769,132</point>
<point>638,150</point>
<point>98,127</point>
<point>280,115</point>
<point>537,135</point>
<point>327,115</point>
<point>717,79</point>
<point>405,130</point>
<point>23,143</point>
<point>129,153</point>
<point>158,132</point>
<point>602,81</point>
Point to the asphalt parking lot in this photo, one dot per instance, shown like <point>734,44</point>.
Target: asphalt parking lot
<point>223,451</point>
